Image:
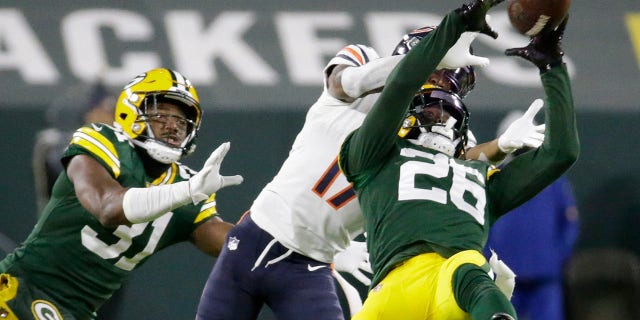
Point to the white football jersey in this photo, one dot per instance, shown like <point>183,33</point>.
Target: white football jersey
<point>309,206</point>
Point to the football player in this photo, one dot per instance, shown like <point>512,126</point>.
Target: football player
<point>428,212</point>
<point>280,252</point>
<point>122,197</point>
<point>522,133</point>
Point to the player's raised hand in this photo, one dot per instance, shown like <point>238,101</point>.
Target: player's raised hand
<point>474,15</point>
<point>354,259</point>
<point>505,278</point>
<point>460,54</point>
<point>209,180</point>
<point>523,132</point>
<point>350,293</point>
<point>544,50</point>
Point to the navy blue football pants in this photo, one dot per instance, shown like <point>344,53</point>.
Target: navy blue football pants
<point>254,269</point>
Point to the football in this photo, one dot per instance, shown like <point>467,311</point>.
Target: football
<point>529,17</point>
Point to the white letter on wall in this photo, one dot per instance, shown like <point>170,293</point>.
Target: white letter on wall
<point>196,46</point>
<point>21,50</point>
<point>86,49</point>
<point>387,28</point>
<point>305,53</point>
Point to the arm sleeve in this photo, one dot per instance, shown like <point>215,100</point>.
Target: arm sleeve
<point>369,144</point>
<point>353,55</point>
<point>358,80</point>
<point>529,173</point>
<point>146,204</point>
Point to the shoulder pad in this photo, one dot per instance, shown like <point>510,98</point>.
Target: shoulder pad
<point>354,55</point>
<point>98,140</point>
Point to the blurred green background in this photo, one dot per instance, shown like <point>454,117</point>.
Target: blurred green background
<point>261,117</point>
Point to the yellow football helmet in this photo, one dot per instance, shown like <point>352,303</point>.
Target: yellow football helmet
<point>138,99</point>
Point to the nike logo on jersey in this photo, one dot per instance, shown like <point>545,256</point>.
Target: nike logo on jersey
<point>310,268</point>
<point>96,127</point>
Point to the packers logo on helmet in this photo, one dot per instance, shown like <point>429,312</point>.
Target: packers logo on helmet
<point>140,96</point>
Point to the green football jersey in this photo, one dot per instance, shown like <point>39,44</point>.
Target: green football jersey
<point>75,259</point>
<point>416,200</point>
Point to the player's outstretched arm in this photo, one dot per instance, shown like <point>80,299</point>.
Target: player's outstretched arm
<point>348,83</point>
<point>521,133</point>
<point>114,205</point>
<point>372,141</point>
<point>531,172</point>
<point>487,151</point>
<point>146,204</point>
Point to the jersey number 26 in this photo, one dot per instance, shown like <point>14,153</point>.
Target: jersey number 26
<point>439,169</point>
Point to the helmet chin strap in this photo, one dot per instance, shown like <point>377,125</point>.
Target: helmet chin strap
<point>440,138</point>
<point>160,152</point>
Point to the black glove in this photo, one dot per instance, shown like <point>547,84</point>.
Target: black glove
<point>544,48</point>
<point>474,13</point>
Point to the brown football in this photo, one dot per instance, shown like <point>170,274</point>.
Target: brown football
<point>531,16</point>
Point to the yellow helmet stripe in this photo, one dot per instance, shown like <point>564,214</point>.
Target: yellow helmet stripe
<point>208,209</point>
<point>407,126</point>
<point>98,145</point>
<point>427,86</point>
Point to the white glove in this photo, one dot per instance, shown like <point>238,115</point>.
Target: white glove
<point>209,180</point>
<point>146,204</point>
<point>505,278</point>
<point>351,294</point>
<point>459,56</point>
<point>353,259</point>
<point>523,132</point>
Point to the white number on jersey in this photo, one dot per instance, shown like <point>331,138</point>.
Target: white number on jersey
<point>126,235</point>
<point>323,184</point>
<point>439,168</point>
